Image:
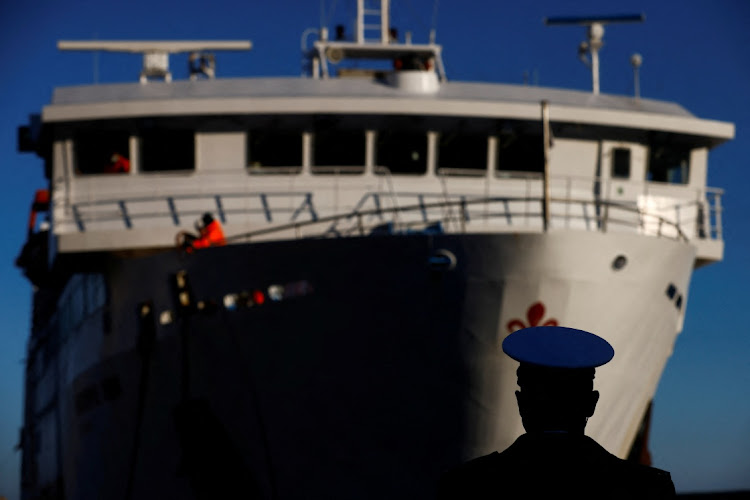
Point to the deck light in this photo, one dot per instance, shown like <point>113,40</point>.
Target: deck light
<point>230,301</point>
<point>276,293</point>
<point>166,317</point>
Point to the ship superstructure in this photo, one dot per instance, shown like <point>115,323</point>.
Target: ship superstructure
<point>387,228</point>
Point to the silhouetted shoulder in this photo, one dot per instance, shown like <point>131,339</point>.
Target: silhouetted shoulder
<point>552,466</point>
<point>621,478</point>
<point>648,482</point>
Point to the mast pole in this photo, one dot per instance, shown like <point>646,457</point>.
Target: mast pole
<point>360,21</point>
<point>385,32</point>
<point>596,32</point>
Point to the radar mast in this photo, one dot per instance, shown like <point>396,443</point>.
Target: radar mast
<point>595,33</point>
<point>156,53</point>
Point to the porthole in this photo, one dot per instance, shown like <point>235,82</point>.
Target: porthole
<point>619,262</point>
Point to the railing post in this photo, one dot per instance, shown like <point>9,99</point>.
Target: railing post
<point>491,169</point>
<point>307,152</point>
<point>568,198</point>
<point>220,209</point>
<point>464,214</point>
<point>420,200</point>
<point>336,175</point>
<point>527,215</point>
<point>67,155</point>
<point>370,142</point>
<point>77,218</point>
<point>173,211</point>
<point>641,221</point>
<point>700,223</point>
<point>607,201</point>
<point>124,213</point>
<point>546,138</point>
<point>717,210</point>
<point>266,208</point>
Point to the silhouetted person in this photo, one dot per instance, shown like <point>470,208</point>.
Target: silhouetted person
<point>554,459</point>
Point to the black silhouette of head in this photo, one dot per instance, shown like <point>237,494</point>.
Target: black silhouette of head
<point>556,376</point>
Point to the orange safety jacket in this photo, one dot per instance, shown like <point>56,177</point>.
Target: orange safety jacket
<point>40,204</point>
<point>120,166</point>
<point>211,236</point>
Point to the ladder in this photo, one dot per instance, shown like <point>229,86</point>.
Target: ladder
<point>373,20</point>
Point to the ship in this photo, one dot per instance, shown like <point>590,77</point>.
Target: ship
<point>386,228</point>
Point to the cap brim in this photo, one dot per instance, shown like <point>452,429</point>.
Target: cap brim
<point>558,347</point>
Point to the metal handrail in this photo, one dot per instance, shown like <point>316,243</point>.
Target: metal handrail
<point>120,212</point>
<point>260,170</point>
<point>455,210</point>
<point>704,212</point>
<point>464,216</point>
<point>460,172</point>
<point>337,169</point>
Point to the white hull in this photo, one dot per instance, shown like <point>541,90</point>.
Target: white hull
<point>382,367</point>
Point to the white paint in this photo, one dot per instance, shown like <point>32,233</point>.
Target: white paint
<point>220,151</point>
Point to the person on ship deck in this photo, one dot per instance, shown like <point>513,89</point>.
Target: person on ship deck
<point>210,234</point>
<point>118,165</point>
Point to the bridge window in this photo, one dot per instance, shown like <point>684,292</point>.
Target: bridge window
<point>274,151</point>
<point>401,152</point>
<point>668,165</point>
<point>101,152</point>
<point>621,163</point>
<point>520,153</point>
<point>167,150</point>
<point>338,151</point>
<point>462,154</point>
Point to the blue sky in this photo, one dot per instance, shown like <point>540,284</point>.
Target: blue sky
<point>694,53</point>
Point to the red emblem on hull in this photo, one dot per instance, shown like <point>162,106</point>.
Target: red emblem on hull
<point>534,315</point>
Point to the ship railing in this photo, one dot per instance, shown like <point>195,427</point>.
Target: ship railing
<point>697,211</point>
<point>576,202</point>
<point>184,208</point>
<point>711,211</point>
<point>258,170</point>
<point>337,170</point>
<point>461,172</point>
<point>458,215</point>
<point>404,210</point>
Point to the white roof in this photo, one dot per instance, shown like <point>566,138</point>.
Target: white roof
<point>361,95</point>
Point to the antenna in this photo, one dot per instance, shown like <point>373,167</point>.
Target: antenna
<point>156,53</point>
<point>636,60</point>
<point>595,34</point>
<point>404,57</point>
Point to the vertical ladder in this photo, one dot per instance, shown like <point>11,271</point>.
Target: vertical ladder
<point>372,19</point>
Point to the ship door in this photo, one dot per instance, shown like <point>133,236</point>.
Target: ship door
<point>622,173</point>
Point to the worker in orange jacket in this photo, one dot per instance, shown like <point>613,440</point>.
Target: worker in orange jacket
<point>210,234</point>
<point>118,165</point>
